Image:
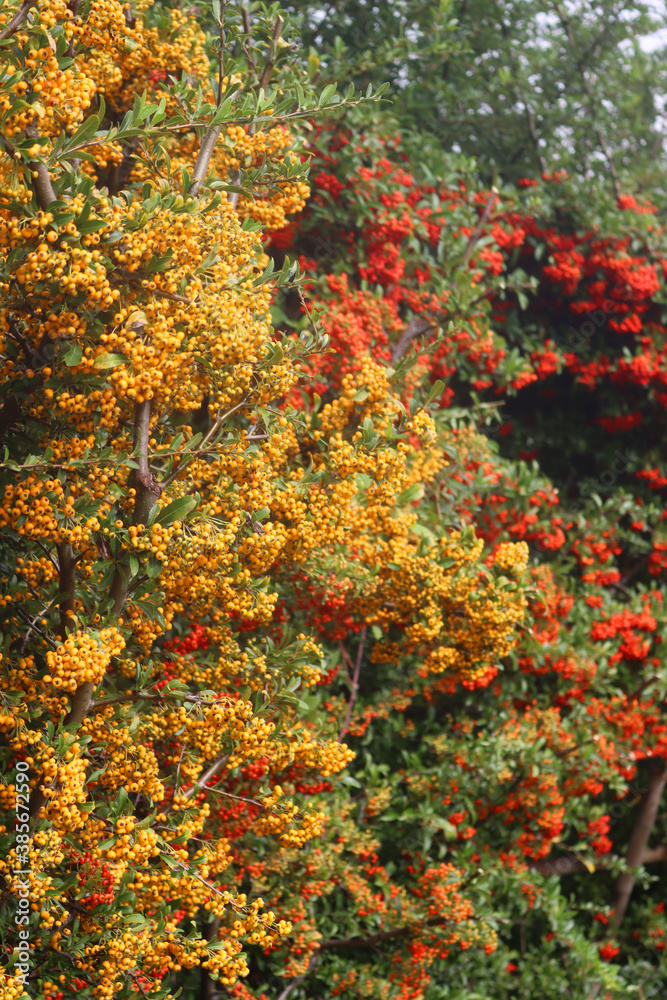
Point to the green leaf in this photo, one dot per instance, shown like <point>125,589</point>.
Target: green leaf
<point>436,390</point>
<point>153,568</point>
<point>412,493</point>
<point>177,510</point>
<point>109,360</point>
<point>73,356</point>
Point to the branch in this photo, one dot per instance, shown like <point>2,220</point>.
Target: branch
<point>34,627</point>
<point>355,682</point>
<point>273,52</point>
<point>66,585</point>
<point>530,116</point>
<point>18,19</point>
<point>641,832</point>
<point>204,155</point>
<point>120,276</point>
<point>221,54</point>
<point>41,181</point>
<point>207,983</point>
<point>147,491</point>
<point>479,229</point>
<point>415,328</point>
<point>201,447</point>
<point>201,783</point>
<point>642,687</point>
<point>299,979</point>
<point>367,942</point>
<point>570,864</point>
<point>147,487</point>
<point>160,696</point>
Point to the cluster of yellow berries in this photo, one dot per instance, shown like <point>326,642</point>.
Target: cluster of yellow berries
<point>44,509</point>
<point>325,758</point>
<point>83,658</point>
<point>511,557</point>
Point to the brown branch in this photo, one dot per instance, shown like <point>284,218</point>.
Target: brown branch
<point>372,939</point>
<point>37,800</point>
<point>147,487</point>
<point>120,276</point>
<point>642,687</point>
<point>273,53</point>
<point>639,837</point>
<point>207,983</point>
<point>355,682</point>
<point>479,229</point>
<point>415,328</point>
<point>201,447</point>
<point>570,864</point>
<point>201,783</point>
<point>41,181</point>
<point>160,696</point>
<point>34,627</point>
<point>299,979</point>
<point>147,491</point>
<point>204,155</point>
<point>530,116</point>
<point>66,586</point>
<point>239,798</point>
<point>18,19</point>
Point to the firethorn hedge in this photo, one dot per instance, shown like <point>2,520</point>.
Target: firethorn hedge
<point>333,543</point>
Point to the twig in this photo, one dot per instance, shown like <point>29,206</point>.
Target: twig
<point>642,687</point>
<point>201,447</point>
<point>530,116</point>
<point>415,328</point>
<point>221,54</point>
<point>34,627</point>
<point>18,19</point>
<point>355,684</point>
<point>160,696</point>
<point>273,52</point>
<point>479,229</point>
<point>569,864</point>
<point>299,979</point>
<point>201,783</point>
<point>119,276</point>
<point>241,798</point>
